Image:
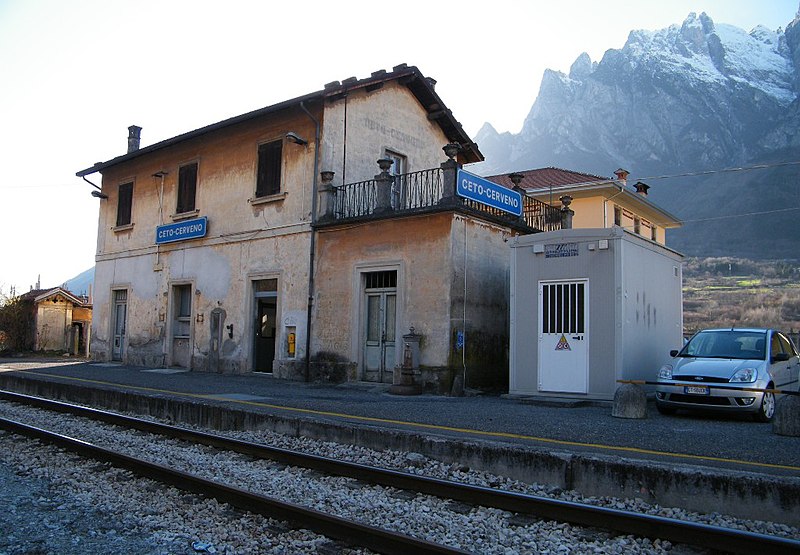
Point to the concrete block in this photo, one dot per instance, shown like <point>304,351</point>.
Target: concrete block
<point>630,401</point>
<point>787,416</point>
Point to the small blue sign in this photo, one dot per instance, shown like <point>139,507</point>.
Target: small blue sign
<point>486,192</point>
<point>181,231</point>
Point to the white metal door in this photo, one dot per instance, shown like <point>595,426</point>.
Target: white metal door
<point>563,338</point>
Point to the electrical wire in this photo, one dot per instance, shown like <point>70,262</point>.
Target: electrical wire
<point>742,215</point>
<point>725,170</point>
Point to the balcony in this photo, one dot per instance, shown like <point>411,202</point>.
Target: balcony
<point>426,191</point>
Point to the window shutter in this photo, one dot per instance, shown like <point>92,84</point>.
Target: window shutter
<point>187,188</point>
<point>124,202</point>
<point>270,156</point>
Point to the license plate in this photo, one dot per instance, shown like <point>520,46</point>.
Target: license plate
<point>696,390</point>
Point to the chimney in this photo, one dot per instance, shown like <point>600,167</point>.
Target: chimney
<point>641,188</point>
<point>134,134</point>
<point>622,175</point>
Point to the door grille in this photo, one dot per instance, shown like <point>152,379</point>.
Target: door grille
<point>386,279</point>
<point>563,308</point>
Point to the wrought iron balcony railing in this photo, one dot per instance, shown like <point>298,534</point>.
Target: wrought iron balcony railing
<point>408,191</point>
<point>425,190</point>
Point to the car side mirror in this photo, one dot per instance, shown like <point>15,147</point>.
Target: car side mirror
<point>780,357</point>
<point>673,353</point>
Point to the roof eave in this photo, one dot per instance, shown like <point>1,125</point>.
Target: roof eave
<point>201,131</point>
<point>415,81</point>
<point>58,291</point>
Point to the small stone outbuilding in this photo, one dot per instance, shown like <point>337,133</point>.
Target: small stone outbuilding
<point>62,321</point>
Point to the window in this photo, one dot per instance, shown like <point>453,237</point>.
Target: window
<point>265,285</point>
<point>399,187</point>
<point>124,202</point>
<point>399,163</point>
<point>786,345</point>
<point>617,215</point>
<point>268,180</point>
<point>775,345</point>
<point>563,308</point>
<point>386,279</point>
<point>187,188</point>
<point>182,298</point>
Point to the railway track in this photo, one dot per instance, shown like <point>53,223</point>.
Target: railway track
<point>378,539</point>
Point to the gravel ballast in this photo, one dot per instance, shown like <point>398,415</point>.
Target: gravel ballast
<point>154,515</point>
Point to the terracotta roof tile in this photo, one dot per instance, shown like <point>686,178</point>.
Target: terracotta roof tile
<point>544,178</point>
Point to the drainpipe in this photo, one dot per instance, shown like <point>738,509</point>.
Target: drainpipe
<point>313,242</point>
<point>90,183</point>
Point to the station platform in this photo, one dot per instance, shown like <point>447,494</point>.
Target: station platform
<point>692,458</point>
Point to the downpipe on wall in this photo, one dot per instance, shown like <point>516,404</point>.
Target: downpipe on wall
<point>313,242</point>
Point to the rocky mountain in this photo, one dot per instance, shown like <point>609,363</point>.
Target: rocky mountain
<point>687,101</point>
<point>82,283</point>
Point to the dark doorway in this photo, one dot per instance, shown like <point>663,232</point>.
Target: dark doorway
<point>266,301</point>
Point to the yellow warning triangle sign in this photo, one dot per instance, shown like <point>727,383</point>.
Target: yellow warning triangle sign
<point>563,344</point>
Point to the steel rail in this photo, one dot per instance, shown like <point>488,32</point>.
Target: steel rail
<point>350,532</point>
<point>628,522</point>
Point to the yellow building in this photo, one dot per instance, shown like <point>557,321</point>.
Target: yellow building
<point>597,202</point>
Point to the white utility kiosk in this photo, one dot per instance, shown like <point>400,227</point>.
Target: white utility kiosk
<point>590,307</point>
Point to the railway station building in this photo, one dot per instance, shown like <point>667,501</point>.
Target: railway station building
<point>320,238</point>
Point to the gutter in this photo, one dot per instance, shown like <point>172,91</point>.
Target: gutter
<point>90,183</point>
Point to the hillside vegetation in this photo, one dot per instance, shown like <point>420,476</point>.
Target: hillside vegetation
<point>722,292</point>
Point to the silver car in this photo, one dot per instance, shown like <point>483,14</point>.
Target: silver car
<point>725,369</point>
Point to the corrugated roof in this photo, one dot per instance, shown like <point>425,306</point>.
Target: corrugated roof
<point>421,87</point>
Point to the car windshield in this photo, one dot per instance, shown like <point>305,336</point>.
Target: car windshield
<point>726,344</point>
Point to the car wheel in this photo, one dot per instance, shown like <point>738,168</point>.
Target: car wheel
<point>767,409</point>
<point>665,409</point>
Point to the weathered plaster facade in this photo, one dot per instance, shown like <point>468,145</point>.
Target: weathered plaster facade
<point>269,269</point>
<point>452,279</point>
<point>360,126</point>
<point>247,240</point>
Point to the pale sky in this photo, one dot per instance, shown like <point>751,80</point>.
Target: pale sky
<point>75,74</point>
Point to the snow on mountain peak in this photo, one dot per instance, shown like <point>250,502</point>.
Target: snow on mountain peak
<point>709,53</point>
<point>695,30</point>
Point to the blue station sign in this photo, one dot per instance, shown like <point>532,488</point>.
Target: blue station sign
<point>181,231</point>
<point>486,192</point>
